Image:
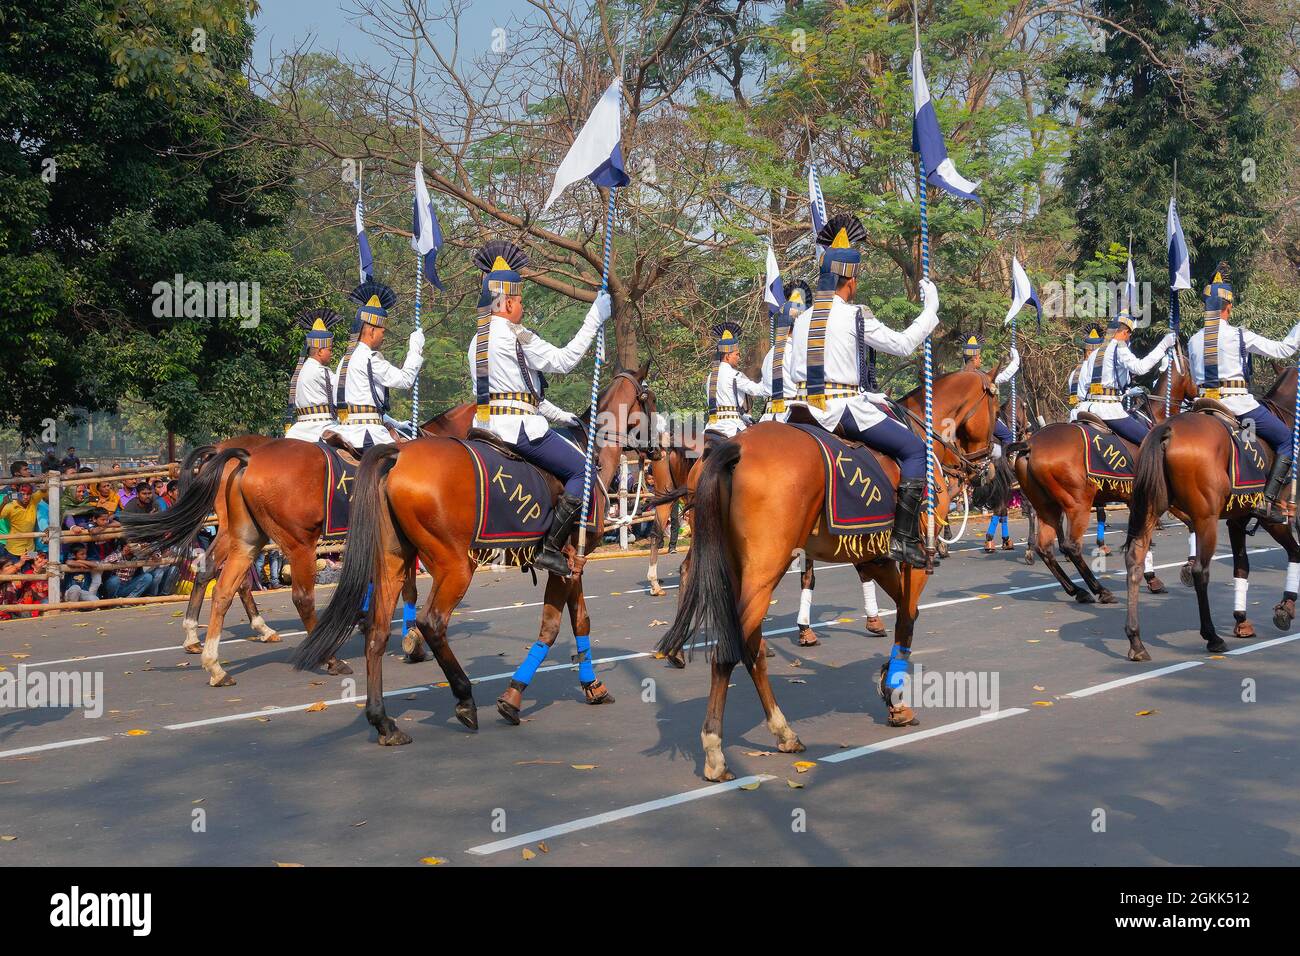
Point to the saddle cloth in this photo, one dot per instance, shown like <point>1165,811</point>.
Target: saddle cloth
<point>1247,468</point>
<point>340,476</point>
<point>512,499</point>
<point>1107,460</point>
<point>860,498</point>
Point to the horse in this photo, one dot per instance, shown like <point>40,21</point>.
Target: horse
<point>1050,467</point>
<point>1183,468</point>
<point>414,501</point>
<point>758,502</point>
<point>670,470</point>
<point>269,491</point>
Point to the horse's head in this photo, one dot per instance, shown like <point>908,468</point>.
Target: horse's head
<point>625,412</point>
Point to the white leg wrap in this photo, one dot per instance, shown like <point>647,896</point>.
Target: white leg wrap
<point>1293,578</point>
<point>1150,563</point>
<point>805,607</point>
<point>1191,544</point>
<point>1240,587</point>
<point>869,599</point>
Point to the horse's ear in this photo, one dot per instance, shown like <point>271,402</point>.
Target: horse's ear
<point>643,371</point>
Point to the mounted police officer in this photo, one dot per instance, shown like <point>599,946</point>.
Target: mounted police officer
<point>1093,339</point>
<point>828,363</point>
<point>311,389</point>
<point>364,375</point>
<point>506,362</point>
<point>1108,372</point>
<point>974,353</point>
<point>777,385</point>
<point>1220,362</point>
<point>727,385</point>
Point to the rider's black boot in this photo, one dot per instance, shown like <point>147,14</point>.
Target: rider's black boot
<point>905,542</point>
<point>1269,512</point>
<point>552,557</point>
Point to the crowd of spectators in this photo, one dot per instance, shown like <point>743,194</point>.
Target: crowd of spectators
<point>86,508</point>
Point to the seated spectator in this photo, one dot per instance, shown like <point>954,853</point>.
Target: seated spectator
<point>70,460</point>
<point>125,582</point>
<point>23,592</point>
<point>160,494</point>
<point>268,568</point>
<point>21,513</point>
<point>125,492</point>
<point>143,502</point>
<point>101,523</point>
<point>171,492</point>
<point>80,583</point>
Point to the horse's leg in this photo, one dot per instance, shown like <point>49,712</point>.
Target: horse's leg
<point>1284,610</point>
<point>1031,518</point>
<point>674,526</point>
<point>1240,578</point>
<point>1207,534</point>
<point>264,633</point>
<point>1071,544</point>
<point>239,558</point>
<point>1139,542</point>
<point>383,601</point>
<point>448,591</point>
<point>206,570</point>
<point>904,586</point>
<point>1048,533</point>
<point>1154,584</point>
<point>413,645</point>
<point>715,764</point>
<point>512,701</point>
<point>593,688</point>
<point>678,660</point>
<point>875,626</point>
<point>807,583</point>
<point>1185,572</point>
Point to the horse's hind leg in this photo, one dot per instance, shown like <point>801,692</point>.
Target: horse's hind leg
<point>807,584</point>
<point>263,632</point>
<point>904,586</point>
<point>239,558</point>
<point>204,571</point>
<point>715,763</point>
<point>1284,610</point>
<point>387,586</point>
<point>1240,579</point>
<point>1207,534</point>
<point>752,610</point>
<point>593,688</point>
<point>1071,544</point>
<point>1134,557</point>
<point>875,625</point>
<point>413,643</point>
<point>448,591</point>
<point>1043,541</point>
<point>510,703</point>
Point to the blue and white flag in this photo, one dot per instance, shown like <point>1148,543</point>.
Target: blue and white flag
<point>595,153</point>
<point>928,140</point>
<point>1131,289</point>
<point>1022,293</point>
<point>367,260</point>
<point>816,203</point>
<point>773,292</point>
<point>426,234</point>
<point>1180,264</point>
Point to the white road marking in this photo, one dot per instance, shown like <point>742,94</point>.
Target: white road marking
<point>1262,644</point>
<point>60,745</point>
<point>1132,679</point>
<point>649,806</point>
<point>889,743</point>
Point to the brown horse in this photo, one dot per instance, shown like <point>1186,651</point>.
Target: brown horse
<point>1053,479</point>
<point>758,501</point>
<point>670,470</point>
<point>269,492</point>
<point>1183,468</point>
<point>416,501</point>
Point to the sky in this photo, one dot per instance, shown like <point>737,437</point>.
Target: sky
<point>283,23</point>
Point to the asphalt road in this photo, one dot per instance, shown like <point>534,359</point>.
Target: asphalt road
<point>1192,760</point>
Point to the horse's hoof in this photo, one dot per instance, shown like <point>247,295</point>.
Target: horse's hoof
<point>1083,597</point>
<point>467,714</point>
<point>1215,645</point>
<point>1107,597</point>
<point>272,638</point>
<point>1185,575</point>
<point>597,693</point>
<point>657,591</point>
<point>1029,556</point>
<point>901,715</point>
<point>767,651</point>
<point>192,648</point>
<point>806,637</point>
<point>1138,654</point>
<point>875,627</point>
<point>678,660</point>
<point>718,776</point>
<point>226,681</point>
<point>794,747</point>
<point>338,669</point>
<point>508,711</point>
<point>396,739</point>
<point>1156,586</point>
<point>1244,629</point>
<point>412,645</point>
<point>1283,615</point>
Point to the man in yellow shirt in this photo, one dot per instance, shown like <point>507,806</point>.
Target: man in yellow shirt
<point>20,512</point>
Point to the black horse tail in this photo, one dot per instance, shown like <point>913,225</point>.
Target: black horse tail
<point>708,602</point>
<point>667,497</point>
<point>1150,487</point>
<point>361,560</point>
<point>191,465</point>
<point>994,493</point>
<point>178,526</point>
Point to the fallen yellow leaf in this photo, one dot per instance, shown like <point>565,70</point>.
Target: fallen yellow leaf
<point>544,848</point>
<point>528,854</point>
<point>287,865</point>
<point>750,786</point>
<point>432,860</point>
<point>1146,713</point>
<point>1042,703</point>
<point>316,707</point>
<point>803,766</point>
<point>8,837</point>
<point>794,784</point>
<point>583,766</point>
<point>137,733</point>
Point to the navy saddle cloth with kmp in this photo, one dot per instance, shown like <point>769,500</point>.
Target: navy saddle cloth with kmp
<point>860,498</point>
<point>340,476</point>
<point>512,499</point>
<point>1107,459</point>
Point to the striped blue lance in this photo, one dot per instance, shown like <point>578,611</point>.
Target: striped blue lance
<point>595,382</point>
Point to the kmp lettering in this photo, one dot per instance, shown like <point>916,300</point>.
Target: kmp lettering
<point>1113,454</point>
<point>528,508</point>
<point>861,482</point>
<point>77,909</point>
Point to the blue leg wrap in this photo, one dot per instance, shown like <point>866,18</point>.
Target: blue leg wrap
<point>897,667</point>
<point>993,526</point>
<point>1006,528</point>
<point>1101,530</point>
<point>409,615</point>
<point>536,654</point>
<point>365,605</point>
<point>586,669</point>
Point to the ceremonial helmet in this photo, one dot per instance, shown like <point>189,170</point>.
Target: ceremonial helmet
<point>1122,320</point>
<point>798,297</point>
<point>374,300</point>
<point>840,261</point>
<point>973,346</point>
<point>727,336</point>
<point>1219,292</point>
<point>1092,336</point>
<point>500,262</point>
<point>319,324</point>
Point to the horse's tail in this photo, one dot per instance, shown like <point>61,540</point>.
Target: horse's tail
<point>178,526</point>
<point>666,498</point>
<point>190,466</point>
<point>361,560</point>
<point>994,494</point>
<point>1150,486</point>
<point>708,603</point>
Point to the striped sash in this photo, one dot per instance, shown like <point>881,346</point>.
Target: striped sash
<point>713,393</point>
<point>816,375</point>
<point>1212,325</point>
<point>778,371</point>
<point>481,412</point>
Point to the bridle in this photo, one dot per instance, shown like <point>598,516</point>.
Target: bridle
<point>644,399</point>
<point>968,464</point>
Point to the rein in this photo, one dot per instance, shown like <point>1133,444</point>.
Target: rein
<point>968,465</point>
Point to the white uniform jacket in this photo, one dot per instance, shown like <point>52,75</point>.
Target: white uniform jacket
<point>511,416</point>
<point>312,399</point>
<point>367,367</point>
<point>731,385</point>
<point>1119,366</point>
<point>1232,342</point>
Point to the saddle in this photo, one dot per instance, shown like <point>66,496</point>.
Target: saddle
<point>1212,406</point>
<point>347,451</point>
<point>1092,419</point>
<point>491,438</point>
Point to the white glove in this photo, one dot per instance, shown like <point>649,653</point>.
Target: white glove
<point>1015,355</point>
<point>929,297</point>
<point>602,308</point>
<point>1168,342</point>
<point>415,344</point>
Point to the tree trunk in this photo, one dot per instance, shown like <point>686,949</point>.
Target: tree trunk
<point>624,352</point>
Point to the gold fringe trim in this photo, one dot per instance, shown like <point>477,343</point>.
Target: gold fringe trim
<point>518,557</point>
<point>1252,500</point>
<point>1122,485</point>
<point>859,547</point>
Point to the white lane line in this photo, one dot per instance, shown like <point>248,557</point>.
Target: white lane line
<point>1132,679</point>
<point>609,817</point>
<point>889,743</point>
<point>54,746</point>
<point>1262,644</point>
